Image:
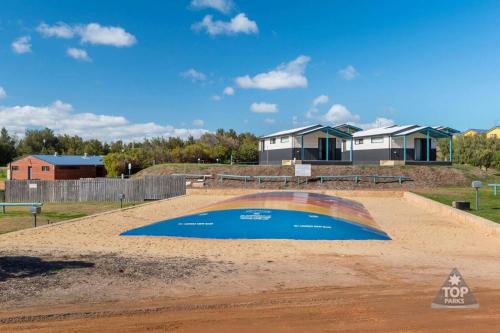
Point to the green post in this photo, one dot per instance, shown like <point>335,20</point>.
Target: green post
<point>428,146</point>
<point>350,151</point>
<point>327,139</point>
<point>404,148</point>
<point>302,148</point>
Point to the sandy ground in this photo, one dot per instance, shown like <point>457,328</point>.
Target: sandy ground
<point>278,285</point>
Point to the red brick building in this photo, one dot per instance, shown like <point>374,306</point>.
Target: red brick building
<point>53,167</point>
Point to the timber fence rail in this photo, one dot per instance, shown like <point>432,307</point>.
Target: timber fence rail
<point>95,189</point>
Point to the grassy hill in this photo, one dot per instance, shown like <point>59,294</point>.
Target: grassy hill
<point>423,176</point>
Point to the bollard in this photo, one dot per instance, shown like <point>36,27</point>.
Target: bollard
<point>34,210</point>
<point>477,185</point>
<point>121,197</point>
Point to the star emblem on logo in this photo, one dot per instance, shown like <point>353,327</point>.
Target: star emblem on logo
<point>454,280</point>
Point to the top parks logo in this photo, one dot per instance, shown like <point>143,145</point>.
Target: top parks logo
<point>454,294</point>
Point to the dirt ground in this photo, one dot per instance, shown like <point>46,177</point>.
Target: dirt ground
<point>107,283</point>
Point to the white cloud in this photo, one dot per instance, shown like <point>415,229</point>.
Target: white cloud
<point>22,45</point>
<point>216,98</point>
<point>92,33</point>
<point>239,24</point>
<point>295,120</point>
<point>96,34</point>
<point>223,6</point>
<point>269,121</point>
<point>59,30</point>
<point>229,91</point>
<point>198,123</point>
<point>313,110</point>
<point>348,73</point>
<point>61,117</point>
<point>289,75</point>
<point>264,107</point>
<point>193,75</point>
<point>339,114</point>
<point>78,54</point>
<point>378,122</point>
<point>62,106</point>
<point>321,99</point>
<point>3,93</point>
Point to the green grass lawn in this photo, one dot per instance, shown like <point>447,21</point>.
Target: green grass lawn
<point>3,173</point>
<point>17,218</point>
<point>489,205</point>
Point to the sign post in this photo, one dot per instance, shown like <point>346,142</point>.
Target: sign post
<point>477,185</point>
<point>302,170</point>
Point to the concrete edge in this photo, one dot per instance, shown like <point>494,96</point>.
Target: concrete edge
<point>79,219</point>
<point>342,193</point>
<point>459,216</point>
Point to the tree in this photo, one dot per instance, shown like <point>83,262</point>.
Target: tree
<point>39,142</point>
<point>7,147</point>
<point>70,145</point>
<point>94,147</point>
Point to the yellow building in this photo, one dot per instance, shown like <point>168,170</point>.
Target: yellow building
<point>493,133</point>
<point>473,131</point>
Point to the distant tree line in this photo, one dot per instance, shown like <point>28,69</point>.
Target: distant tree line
<point>221,146</point>
<point>477,150</point>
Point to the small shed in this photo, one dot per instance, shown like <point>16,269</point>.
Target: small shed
<point>55,167</point>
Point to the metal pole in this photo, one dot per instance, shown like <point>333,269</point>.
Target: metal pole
<point>350,151</point>
<point>302,148</point>
<point>477,199</point>
<point>428,146</point>
<point>404,148</point>
<point>327,144</point>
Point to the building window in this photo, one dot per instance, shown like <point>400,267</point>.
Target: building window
<point>358,141</point>
<point>285,139</point>
<point>377,139</point>
<point>45,168</point>
<point>15,168</point>
<point>272,141</point>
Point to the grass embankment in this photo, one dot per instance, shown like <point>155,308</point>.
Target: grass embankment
<point>489,204</point>
<point>17,218</point>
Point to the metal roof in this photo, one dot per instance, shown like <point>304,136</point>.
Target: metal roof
<point>71,159</point>
<point>331,130</point>
<point>450,130</point>
<point>423,129</point>
<point>291,131</point>
<point>349,127</point>
<point>388,130</point>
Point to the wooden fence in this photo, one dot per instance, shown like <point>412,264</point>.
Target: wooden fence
<point>95,189</point>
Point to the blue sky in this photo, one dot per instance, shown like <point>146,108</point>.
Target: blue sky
<point>129,69</point>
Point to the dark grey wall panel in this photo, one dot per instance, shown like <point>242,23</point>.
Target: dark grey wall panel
<point>309,153</point>
<point>275,156</point>
<point>371,156</point>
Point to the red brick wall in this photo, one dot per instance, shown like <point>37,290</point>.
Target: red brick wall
<point>36,166</point>
<point>55,172</point>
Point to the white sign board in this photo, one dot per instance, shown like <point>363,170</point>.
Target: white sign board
<point>302,170</point>
<point>33,186</point>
